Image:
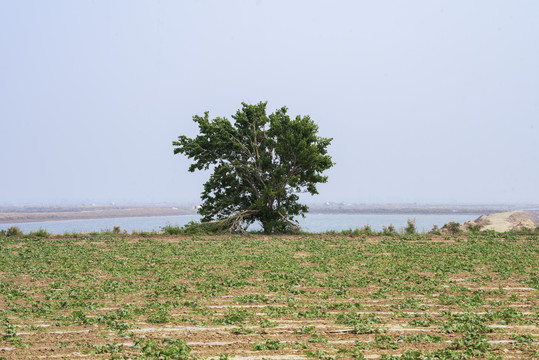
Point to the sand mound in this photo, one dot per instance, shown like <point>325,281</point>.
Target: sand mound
<point>504,221</point>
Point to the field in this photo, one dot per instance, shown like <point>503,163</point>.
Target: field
<point>290,297</point>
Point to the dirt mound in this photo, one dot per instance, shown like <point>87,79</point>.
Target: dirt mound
<point>505,221</point>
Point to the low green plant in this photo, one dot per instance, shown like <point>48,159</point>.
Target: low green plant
<point>159,316</point>
<point>9,330</point>
<point>435,230</point>
<point>113,348</point>
<point>241,330</point>
<point>252,298</point>
<point>357,354</point>
<point>389,230</point>
<point>172,230</point>
<point>316,337</point>
<point>39,233</point>
<point>366,230</point>
<point>410,227</point>
<point>319,354</point>
<point>533,282</point>
<point>11,334</point>
<point>265,323</point>
<point>13,231</point>
<point>452,228</point>
<point>385,342</point>
<point>473,345</point>
<point>420,338</point>
<point>305,330</point>
<point>420,322</point>
<point>234,316</point>
<point>474,229</point>
<point>196,228</point>
<point>268,344</point>
<point>169,348</point>
<point>524,338</point>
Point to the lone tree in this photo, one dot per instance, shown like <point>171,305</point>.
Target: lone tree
<point>259,163</point>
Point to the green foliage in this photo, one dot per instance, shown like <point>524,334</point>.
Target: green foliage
<point>196,228</point>
<point>268,344</point>
<point>159,316</point>
<point>533,282</point>
<point>265,323</point>
<point>474,229</point>
<point>410,228</point>
<point>13,231</point>
<point>39,233</point>
<point>234,316</point>
<point>241,330</point>
<point>168,349</point>
<point>452,228</point>
<point>107,349</point>
<point>318,354</point>
<point>363,324</point>
<point>357,354</point>
<point>468,323</point>
<point>366,230</point>
<point>421,337</point>
<point>525,338</point>
<point>305,330</point>
<point>474,345</point>
<point>172,230</point>
<point>260,162</point>
<point>389,230</point>
<point>420,323</point>
<point>316,337</point>
<point>10,331</point>
<point>252,298</point>
<point>385,342</point>
<point>435,230</point>
<point>10,334</point>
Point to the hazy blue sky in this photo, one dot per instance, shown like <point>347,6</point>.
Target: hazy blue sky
<point>427,101</point>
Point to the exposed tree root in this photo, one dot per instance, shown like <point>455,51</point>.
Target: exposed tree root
<point>294,227</point>
<point>234,223</point>
<point>239,222</point>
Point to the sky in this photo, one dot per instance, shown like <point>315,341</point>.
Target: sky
<point>428,102</point>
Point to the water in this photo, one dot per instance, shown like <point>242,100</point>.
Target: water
<point>338,222</point>
<point>312,222</point>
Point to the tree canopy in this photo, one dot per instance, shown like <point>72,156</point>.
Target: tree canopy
<point>260,163</point>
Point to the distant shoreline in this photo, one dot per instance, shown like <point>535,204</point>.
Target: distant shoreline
<point>25,214</point>
<point>60,213</point>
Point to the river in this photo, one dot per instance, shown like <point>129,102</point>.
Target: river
<point>315,223</point>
